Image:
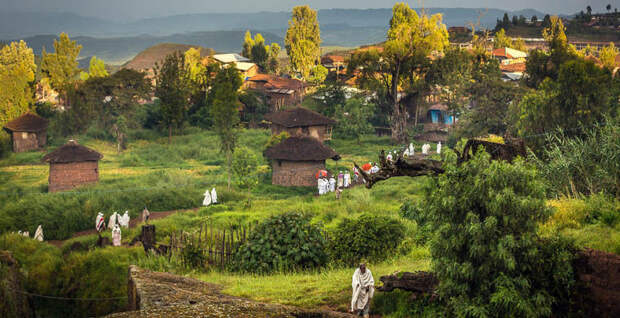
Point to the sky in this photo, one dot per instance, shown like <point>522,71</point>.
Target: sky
<point>134,9</point>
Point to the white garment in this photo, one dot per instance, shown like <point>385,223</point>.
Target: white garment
<point>411,149</point>
<point>116,236</point>
<point>112,221</point>
<point>360,296</point>
<point>38,235</point>
<point>389,156</point>
<point>425,149</point>
<point>439,148</point>
<point>124,220</point>
<point>332,184</point>
<point>320,186</point>
<point>26,233</point>
<point>213,196</point>
<point>374,169</point>
<point>99,222</point>
<point>347,179</point>
<point>207,199</point>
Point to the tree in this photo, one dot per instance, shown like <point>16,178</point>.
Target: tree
<point>260,54</point>
<point>274,51</point>
<point>506,21</point>
<point>486,253</point>
<point>318,74</point>
<point>95,69</point>
<point>17,73</point>
<point>244,167</point>
<point>608,55</point>
<point>119,130</point>
<point>248,43</point>
<point>303,40</point>
<point>172,89</point>
<point>354,119</point>
<point>534,19</point>
<point>225,111</point>
<point>608,7</point>
<point>61,67</point>
<point>410,40</point>
<point>546,21</point>
<point>501,40</point>
<point>515,20</point>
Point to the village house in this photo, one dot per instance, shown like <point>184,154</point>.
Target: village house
<point>280,91</point>
<point>72,165</point>
<point>247,69</point>
<point>512,72</point>
<point>301,122</point>
<point>436,123</point>
<point>296,160</point>
<point>334,63</point>
<point>28,132</point>
<point>507,56</point>
<point>242,63</point>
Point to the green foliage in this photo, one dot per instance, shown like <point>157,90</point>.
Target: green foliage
<point>399,304</point>
<point>193,256</point>
<point>485,249</point>
<point>332,95</point>
<point>368,237</point>
<point>276,139</point>
<point>283,242</point>
<point>608,56</point>
<point>248,43</point>
<point>95,69</point>
<point>303,40</point>
<point>244,167</point>
<point>61,67</point>
<point>17,72</point>
<point>255,107</point>
<point>318,74</point>
<point>265,56</point>
<point>354,119</point>
<point>173,91</point>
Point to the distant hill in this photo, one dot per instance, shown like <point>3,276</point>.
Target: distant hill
<point>122,49</point>
<point>156,54</point>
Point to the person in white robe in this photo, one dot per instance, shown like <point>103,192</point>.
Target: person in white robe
<point>374,169</point>
<point>325,185</point>
<point>340,179</point>
<point>124,220</point>
<point>347,179</point>
<point>112,221</point>
<point>363,285</point>
<point>439,148</point>
<point>38,235</point>
<point>116,236</point>
<point>99,222</point>
<point>26,233</point>
<point>213,196</point>
<point>389,157</point>
<point>332,184</point>
<point>411,149</point>
<point>320,186</point>
<point>145,215</point>
<point>425,149</point>
<point>207,200</point>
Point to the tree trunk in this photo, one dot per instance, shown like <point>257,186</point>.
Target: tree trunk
<point>399,119</point>
<point>148,237</point>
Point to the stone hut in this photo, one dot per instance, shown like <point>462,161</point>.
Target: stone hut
<point>300,122</point>
<point>296,160</point>
<point>28,132</point>
<point>72,165</point>
<point>280,91</point>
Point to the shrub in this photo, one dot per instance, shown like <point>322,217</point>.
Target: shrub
<point>367,237</point>
<point>485,249</point>
<point>283,242</point>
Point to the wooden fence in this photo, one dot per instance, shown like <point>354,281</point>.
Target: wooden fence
<point>215,246</point>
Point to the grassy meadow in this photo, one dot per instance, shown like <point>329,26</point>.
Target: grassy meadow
<point>173,176</point>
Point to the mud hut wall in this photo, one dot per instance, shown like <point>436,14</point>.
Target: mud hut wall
<point>25,141</point>
<point>66,176</point>
<point>296,173</point>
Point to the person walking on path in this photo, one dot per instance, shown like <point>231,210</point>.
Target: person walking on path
<point>363,285</point>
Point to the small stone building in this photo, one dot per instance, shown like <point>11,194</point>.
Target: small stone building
<point>28,132</point>
<point>72,165</point>
<point>296,160</point>
<point>280,91</point>
<point>300,122</point>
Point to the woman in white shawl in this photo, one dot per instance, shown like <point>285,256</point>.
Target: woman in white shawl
<point>439,148</point>
<point>207,200</point>
<point>124,220</point>
<point>116,236</point>
<point>38,235</point>
<point>112,221</point>
<point>363,285</point>
<point>213,196</point>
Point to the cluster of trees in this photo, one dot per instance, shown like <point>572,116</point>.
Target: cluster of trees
<point>587,16</point>
<point>501,40</point>
<point>265,56</point>
<point>507,23</point>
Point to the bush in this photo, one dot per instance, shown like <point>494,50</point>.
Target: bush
<point>283,242</point>
<point>368,237</point>
<point>485,249</point>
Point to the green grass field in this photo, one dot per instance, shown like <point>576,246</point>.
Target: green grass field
<point>168,177</point>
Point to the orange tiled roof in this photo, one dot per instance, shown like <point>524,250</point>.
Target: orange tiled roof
<point>516,67</point>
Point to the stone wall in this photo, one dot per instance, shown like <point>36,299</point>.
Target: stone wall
<point>66,176</point>
<point>598,283</point>
<point>296,173</point>
<point>26,141</point>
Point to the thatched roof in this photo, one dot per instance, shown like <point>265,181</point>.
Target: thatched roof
<point>301,149</point>
<point>72,152</point>
<point>299,117</point>
<point>27,122</point>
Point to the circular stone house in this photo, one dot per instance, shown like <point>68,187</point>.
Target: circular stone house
<point>28,132</point>
<point>296,160</point>
<point>72,165</point>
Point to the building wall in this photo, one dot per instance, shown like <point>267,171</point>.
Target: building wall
<point>26,141</point>
<point>66,176</point>
<point>321,133</point>
<point>295,173</point>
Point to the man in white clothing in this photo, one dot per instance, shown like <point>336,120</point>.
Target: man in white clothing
<point>38,235</point>
<point>439,148</point>
<point>213,196</point>
<point>207,200</point>
<point>363,285</point>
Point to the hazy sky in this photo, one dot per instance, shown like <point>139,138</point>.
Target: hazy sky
<point>132,9</point>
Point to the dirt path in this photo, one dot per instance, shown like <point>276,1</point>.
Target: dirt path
<point>132,224</point>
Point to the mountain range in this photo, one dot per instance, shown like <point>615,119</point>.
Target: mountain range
<point>118,42</point>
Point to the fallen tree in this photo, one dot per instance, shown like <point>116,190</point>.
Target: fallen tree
<point>418,283</point>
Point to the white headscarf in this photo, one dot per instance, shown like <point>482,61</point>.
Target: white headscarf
<point>207,199</point>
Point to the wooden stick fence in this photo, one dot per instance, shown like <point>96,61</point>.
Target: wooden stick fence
<point>215,246</point>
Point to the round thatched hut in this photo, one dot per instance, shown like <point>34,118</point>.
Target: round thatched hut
<point>296,160</point>
<point>28,132</point>
<point>72,165</point>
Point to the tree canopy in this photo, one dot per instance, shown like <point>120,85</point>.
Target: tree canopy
<point>61,67</point>
<point>17,74</point>
<point>303,40</point>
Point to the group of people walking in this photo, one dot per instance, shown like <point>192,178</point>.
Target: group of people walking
<point>115,222</point>
<point>38,234</point>
<point>210,197</point>
<point>327,182</point>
